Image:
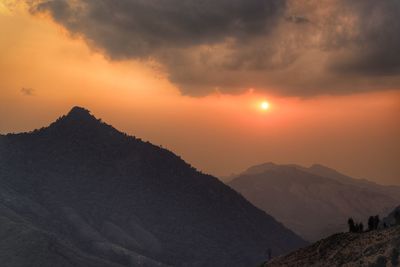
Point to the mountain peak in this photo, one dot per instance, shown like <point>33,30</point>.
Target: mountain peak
<point>79,109</point>
<point>80,120</point>
<point>79,113</point>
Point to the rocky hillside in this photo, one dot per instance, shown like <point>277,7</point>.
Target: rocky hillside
<point>315,202</point>
<point>81,193</point>
<point>380,248</point>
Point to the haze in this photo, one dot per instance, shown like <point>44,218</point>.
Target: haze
<point>343,115</point>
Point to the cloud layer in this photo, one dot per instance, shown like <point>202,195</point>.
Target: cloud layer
<point>291,47</point>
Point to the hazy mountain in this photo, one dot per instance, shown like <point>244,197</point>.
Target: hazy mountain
<point>380,248</point>
<point>80,193</point>
<point>314,202</point>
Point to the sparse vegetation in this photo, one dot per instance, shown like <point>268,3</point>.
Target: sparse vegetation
<point>351,224</point>
<point>355,227</point>
<point>373,223</point>
<point>376,222</point>
<point>370,249</point>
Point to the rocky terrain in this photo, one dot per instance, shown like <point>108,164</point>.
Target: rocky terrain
<point>380,248</point>
<point>81,193</point>
<point>315,202</point>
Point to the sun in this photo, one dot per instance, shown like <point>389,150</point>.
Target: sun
<point>264,105</point>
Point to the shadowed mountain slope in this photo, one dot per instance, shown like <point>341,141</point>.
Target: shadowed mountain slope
<point>315,202</point>
<point>101,197</point>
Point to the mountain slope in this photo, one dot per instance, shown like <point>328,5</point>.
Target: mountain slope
<point>393,217</point>
<point>313,205</point>
<point>21,244</point>
<point>121,200</point>
<point>379,248</point>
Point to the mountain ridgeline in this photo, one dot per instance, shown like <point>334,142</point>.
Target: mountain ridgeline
<point>81,193</point>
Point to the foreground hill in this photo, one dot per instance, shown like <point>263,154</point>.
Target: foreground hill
<point>380,248</point>
<point>80,193</point>
<point>315,202</point>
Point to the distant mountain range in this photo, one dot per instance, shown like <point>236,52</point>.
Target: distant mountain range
<point>315,202</point>
<point>80,193</point>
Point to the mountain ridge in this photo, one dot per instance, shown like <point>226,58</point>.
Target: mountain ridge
<point>126,201</point>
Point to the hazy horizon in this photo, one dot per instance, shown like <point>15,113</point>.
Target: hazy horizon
<point>224,176</point>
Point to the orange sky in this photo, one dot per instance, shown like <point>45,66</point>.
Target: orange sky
<point>357,134</point>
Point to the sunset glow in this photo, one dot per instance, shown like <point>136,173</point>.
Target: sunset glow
<point>47,69</point>
<point>199,133</point>
<point>264,105</point>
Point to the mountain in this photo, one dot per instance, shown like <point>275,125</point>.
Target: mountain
<point>393,218</point>
<point>380,248</point>
<point>315,202</point>
<point>81,193</point>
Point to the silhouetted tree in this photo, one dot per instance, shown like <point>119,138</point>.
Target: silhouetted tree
<point>352,226</point>
<point>361,228</point>
<point>376,222</point>
<point>370,223</point>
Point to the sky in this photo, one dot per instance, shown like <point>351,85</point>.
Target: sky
<point>191,76</point>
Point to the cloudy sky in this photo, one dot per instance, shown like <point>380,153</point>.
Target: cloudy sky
<point>190,75</point>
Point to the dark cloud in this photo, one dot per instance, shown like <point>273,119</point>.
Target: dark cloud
<point>295,47</point>
<point>373,47</point>
<point>139,28</point>
<point>27,91</point>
